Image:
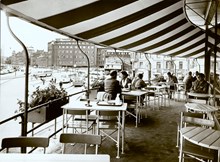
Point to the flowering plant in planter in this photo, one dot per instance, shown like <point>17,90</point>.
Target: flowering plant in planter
<point>48,112</point>
<point>40,96</point>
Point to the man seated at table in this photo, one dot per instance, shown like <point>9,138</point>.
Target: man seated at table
<point>200,85</point>
<point>112,85</point>
<point>139,84</point>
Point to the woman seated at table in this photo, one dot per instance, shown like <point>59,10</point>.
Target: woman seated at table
<point>125,80</point>
<point>200,85</point>
<point>139,82</point>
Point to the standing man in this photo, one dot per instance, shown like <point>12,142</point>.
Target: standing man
<point>112,85</point>
<point>189,81</point>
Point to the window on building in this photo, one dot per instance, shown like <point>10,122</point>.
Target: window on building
<point>167,64</point>
<point>180,65</point>
<point>141,64</point>
<point>158,65</point>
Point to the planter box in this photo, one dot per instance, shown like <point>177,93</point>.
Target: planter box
<point>47,113</point>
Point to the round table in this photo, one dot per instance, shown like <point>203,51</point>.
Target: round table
<point>200,95</point>
<point>203,108</point>
<point>198,107</point>
<point>202,136</point>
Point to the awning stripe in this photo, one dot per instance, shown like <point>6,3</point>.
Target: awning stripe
<point>144,29</point>
<point>199,51</point>
<point>165,43</point>
<point>158,34</point>
<point>188,48</point>
<point>77,15</point>
<point>177,44</point>
<point>9,2</point>
<point>127,20</point>
<point>156,27</point>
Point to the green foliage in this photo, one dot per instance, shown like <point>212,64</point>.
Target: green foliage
<point>41,96</point>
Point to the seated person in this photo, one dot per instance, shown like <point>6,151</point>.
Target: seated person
<point>200,85</point>
<point>133,82</point>
<point>140,83</point>
<point>112,85</point>
<point>125,80</point>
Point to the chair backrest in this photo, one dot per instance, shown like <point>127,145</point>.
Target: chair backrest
<point>193,100</point>
<point>103,96</point>
<point>25,142</point>
<point>80,138</point>
<point>195,119</point>
<point>77,112</point>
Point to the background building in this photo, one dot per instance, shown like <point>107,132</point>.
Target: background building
<point>65,53</point>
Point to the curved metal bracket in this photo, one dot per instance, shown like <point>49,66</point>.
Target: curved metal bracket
<point>120,59</point>
<point>24,122</point>
<point>197,63</point>
<point>149,70</point>
<point>88,85</point>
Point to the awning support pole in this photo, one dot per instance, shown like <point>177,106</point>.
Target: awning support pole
<point>215,49</point>
<point>24,118</point>
<point>149,69</point>
<point>120,59</point>
<point>88,62</point>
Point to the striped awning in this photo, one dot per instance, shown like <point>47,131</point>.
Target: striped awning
<point>148,26</point>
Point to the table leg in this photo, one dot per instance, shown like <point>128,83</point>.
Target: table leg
<point>64,112</point>
<point>181,148</point>
<point>118,136</point>
<point>136,113</point>
<point>123,132</point>
<point>218,155</point>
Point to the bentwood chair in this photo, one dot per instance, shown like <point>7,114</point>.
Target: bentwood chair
<point>189,150</point>
<point>66,138</point>
<point>35,142</point>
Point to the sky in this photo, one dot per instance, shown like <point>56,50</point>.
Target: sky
<point>31,35</point>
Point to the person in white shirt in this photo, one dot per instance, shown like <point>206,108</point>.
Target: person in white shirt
<point>125,80</point>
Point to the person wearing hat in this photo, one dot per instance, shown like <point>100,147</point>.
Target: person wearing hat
<point>125,80</point>
<point>200,85</point>
<point>112,85</point>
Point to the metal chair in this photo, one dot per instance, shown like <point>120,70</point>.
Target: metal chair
<point>189,149</point>
<point>180,91</point>
<point>108,120</point>
<point>153,96</point>
<point>108,123</point>
<point>78,120</point>
<point>25,142</point>
<point>80,138</point>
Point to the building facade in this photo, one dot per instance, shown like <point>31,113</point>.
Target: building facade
<point>65,53</point>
